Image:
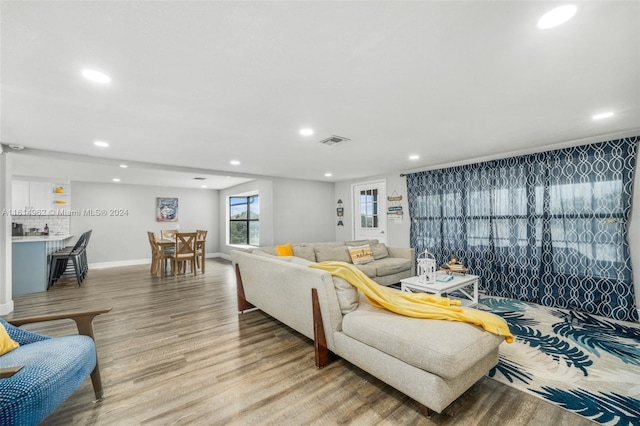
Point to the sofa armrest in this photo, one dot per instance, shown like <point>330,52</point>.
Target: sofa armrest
<point>405,253</point>
<point>83,319</point>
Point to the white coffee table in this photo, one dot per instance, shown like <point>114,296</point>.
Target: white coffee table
<point>465,286</point>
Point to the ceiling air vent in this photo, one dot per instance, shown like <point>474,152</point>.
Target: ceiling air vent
<point>334,140</point>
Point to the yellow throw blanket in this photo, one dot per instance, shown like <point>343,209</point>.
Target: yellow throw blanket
<point>417,305</point>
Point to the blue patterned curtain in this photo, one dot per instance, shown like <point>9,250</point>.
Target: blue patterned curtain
<point>549,228</point>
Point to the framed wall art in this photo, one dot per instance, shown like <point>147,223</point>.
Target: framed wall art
<point>167,210</point>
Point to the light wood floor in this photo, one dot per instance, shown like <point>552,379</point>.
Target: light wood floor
<point>175,351</point>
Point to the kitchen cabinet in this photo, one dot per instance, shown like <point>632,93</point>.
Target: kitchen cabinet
<point>28,196</point>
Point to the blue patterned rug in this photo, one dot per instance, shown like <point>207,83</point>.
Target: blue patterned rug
<point>584,363</point>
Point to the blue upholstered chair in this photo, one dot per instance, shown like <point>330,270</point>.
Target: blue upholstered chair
<point>52,368</point>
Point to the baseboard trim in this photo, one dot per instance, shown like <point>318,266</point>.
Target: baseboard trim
<point>6,308</point>
<point>117,263</point>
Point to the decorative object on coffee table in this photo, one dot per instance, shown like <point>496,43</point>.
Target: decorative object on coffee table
<point>426,268</point>
<point>454,265</point>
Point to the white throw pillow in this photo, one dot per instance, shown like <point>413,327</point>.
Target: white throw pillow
<point>347,295</point>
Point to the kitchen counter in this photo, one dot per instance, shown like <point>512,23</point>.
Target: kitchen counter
<point>30,261</point>
<point>38,238</point>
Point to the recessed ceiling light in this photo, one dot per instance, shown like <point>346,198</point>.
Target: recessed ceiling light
<point>203,186</point>
<point>306,132</point>
<point>557,16</point>
<point>328,174</point>
<point>234,162</point>
<point>414,157</point>
<point>101,144</point>
<point>124,166</point>
<point>96,76</point>
<point>602,115</point>
<point>116,180</point>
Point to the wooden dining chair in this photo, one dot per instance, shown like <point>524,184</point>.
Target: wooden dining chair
<point>168,234</point>
<point>160,256</point>
<point>185,251</point>
<point>154,252</point>
<point>201,239</point>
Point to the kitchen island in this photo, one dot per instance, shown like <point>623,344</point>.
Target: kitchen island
<point>30,261</point>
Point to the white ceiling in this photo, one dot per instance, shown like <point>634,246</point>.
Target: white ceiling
<point>197,84</point>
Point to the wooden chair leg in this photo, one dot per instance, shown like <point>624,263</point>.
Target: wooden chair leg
<point>154,265</point>
<point>96,381</point>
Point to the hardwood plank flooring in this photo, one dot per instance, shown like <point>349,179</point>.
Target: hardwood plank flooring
<point>175,351</point>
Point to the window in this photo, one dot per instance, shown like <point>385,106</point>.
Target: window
<point>244,220</point>
<point>369,208</point>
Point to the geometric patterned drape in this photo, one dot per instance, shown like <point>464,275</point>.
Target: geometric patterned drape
<point>549,228</point>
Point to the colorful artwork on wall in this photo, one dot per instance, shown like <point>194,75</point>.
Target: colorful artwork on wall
<point>167,210</point>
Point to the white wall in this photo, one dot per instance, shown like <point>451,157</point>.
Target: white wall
<point>6,296</point>
<point>123,239</point>
<point>303,211</point>
<point>291,210</point>
<point>397,230</point>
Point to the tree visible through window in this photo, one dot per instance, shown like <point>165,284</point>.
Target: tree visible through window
<point>244,220</point>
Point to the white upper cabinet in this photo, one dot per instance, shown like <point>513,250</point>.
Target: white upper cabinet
<point>31,195</point>
<point>20,195</point>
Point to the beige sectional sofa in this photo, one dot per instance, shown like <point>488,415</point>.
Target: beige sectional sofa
<point>390,264</point>
<point>432,361</point>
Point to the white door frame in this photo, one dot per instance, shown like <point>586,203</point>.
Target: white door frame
<point>381,185</point>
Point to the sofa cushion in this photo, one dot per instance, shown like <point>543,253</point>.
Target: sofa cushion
<point>369,269</point>
<point>268,250</point>
<point>300,261</point>
<point>347,295</point>
<point>325,244</point>
<point>420,342</point>
<point>360,255</point>
<point>338,254</point>
<point>391,265</point>
<point>379,251</point>
<point>305,252</point>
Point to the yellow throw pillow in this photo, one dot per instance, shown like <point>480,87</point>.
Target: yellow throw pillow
<point>361,254</point>
<point>7,344</point>
<point>284,250</point>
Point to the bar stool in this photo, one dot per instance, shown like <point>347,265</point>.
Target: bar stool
<point>77,254</point>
